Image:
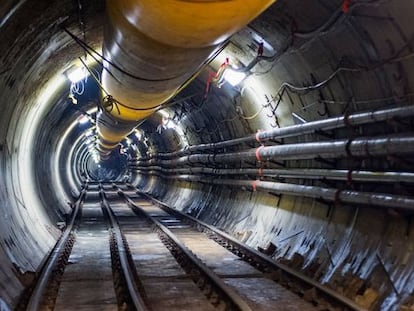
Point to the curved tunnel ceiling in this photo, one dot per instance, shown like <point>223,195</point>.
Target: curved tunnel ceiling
<point>335,202</point>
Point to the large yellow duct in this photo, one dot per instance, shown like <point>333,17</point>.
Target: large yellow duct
<point>159,44</point>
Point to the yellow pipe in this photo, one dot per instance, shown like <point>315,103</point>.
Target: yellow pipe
<point>161,43</point>
<point>190,24</point>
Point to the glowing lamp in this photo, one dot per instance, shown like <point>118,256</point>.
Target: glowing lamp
<point>233,77</point>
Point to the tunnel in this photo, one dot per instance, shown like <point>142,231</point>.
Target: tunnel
<point>293,135</point>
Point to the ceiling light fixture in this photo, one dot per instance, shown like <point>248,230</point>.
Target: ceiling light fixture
<point>76,74</point>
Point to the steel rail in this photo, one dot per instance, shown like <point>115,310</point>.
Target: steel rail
<point>234,298</point>
<point>251,253</point>
<point>35,299</point>
<point>128,271</point>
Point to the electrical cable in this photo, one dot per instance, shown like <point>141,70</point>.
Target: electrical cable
<point>112,99</point>
<point>309,88</point>
<point>306,89</point>
<point>78,87</point>
<point>307,35</point>
<point>254,115</point>
<point>93,76</point>
<point>362,102</point>
<point>239,115</point>
<point>338,15</point>
<point>87,47</point>
<point>92,51</point>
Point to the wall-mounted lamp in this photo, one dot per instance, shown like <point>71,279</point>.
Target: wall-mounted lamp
<point>234,77</point>
<point>138,134</point>
<point>83,119</point>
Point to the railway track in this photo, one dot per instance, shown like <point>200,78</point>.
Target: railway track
<point>263,283</point>
<point>123,250</point>
<point>89,268</point>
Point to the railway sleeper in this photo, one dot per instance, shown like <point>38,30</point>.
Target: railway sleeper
<point>323,300</point>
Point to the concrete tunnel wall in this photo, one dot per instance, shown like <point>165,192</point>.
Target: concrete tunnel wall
<point>345,246</point>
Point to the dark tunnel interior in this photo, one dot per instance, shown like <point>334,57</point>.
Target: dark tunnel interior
<point>303,149</point>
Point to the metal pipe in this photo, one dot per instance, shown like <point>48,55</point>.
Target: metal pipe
<point>328,194</point>
<point>350,175</point>
<point>306,128</point>
<point>361,147</point>
<point>153,48</point>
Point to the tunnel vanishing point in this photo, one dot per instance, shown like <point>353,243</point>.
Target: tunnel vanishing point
<point>288,125</point>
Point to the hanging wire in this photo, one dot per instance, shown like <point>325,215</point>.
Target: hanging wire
<point>93,53</point>
<point>358,68</point>
<point>97,79</point>
<point>77,87</point>
<point>109,101</point>
<point>82,25</point>
<point>253,116</point>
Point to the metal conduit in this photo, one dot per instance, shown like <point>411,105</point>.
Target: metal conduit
<point>361,147</point>
<point>351,175</point>
<point>153,48</point>
<point>306,128</point>
<point>328,194</point>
